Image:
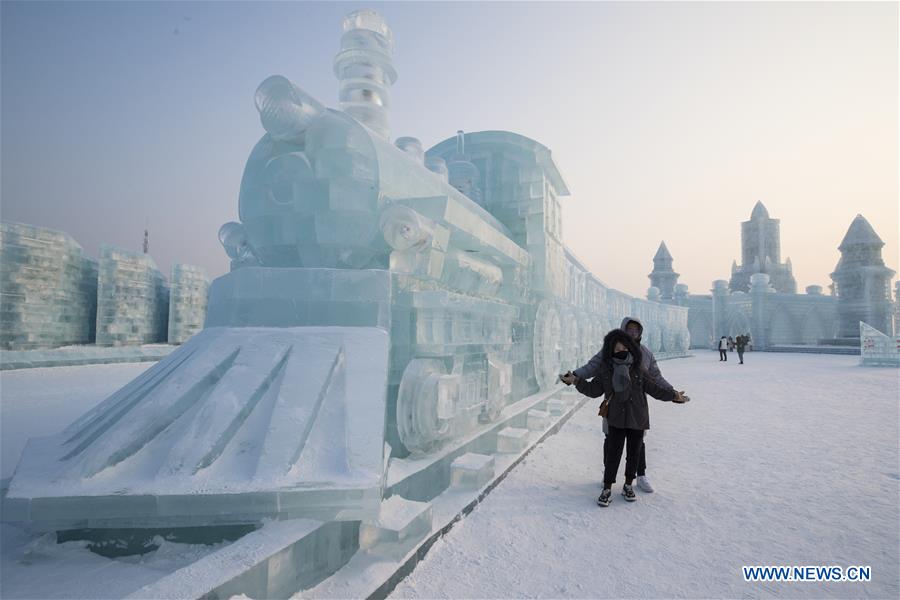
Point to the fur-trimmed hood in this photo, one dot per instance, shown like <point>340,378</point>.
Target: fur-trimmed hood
<point>628,320</point>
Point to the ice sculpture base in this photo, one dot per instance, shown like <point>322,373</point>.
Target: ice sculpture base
<point>70,356</point>
<point>273,562</point>
<point>236,426</point>
<point>324,559</point>
<point>369,576</point>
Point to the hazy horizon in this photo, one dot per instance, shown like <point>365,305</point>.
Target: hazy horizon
<point>669,121</point>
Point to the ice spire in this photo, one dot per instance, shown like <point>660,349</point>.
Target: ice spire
<point>663,277</point>
<point>662,253</point>
<point>759,212</point>
<point>860,233</point>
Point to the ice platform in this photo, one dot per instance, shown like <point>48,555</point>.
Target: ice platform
<point>235,426</point>
<point>69,356</point>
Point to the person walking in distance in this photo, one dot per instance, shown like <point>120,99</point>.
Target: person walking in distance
<point>723,349</point>
<point>741,345</point>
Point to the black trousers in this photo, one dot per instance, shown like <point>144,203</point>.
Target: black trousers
<point>642,456</point>
<point>723,355</point>
<point>617,440</point>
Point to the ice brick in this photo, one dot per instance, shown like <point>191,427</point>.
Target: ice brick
<point>282,297</point>
<point>538,420</point>
<point>556,406</point>
<point>512,440</point>
<point>400,524</point>
<point>471,470</point>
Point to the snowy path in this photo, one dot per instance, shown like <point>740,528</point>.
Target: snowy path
<point>787,460</point>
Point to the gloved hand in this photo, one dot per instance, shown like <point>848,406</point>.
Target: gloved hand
<point>568,378</point>
<point>681,398</point>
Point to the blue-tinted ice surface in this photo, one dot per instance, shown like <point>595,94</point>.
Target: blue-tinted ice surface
<point>49,289</point>
<point>132,299</point>
<point>237,424</point>
<point>187,302</point>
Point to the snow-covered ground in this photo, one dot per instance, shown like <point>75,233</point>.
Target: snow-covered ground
<point>789,459</point>
<point>43,401</point>
<point>38,402</point>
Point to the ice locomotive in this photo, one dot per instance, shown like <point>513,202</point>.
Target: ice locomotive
<point>383,303</point>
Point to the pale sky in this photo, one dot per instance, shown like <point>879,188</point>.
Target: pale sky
<point>668,120</point>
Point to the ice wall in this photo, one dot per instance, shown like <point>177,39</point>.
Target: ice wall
<point>187,302</point>
<point>877,348</point>
<point>48,289</point>
<point>132,299</point>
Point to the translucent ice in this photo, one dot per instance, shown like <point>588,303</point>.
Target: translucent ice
<point>235,425</point>
<point>187,302</point>
<point>49,289</point>
<point>512,440</point>
<point>132,299</point>
<point>538,420</point>
<point>400,524</point>
<point>471,470</point>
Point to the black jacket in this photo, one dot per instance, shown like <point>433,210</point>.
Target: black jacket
<point>628,409</point>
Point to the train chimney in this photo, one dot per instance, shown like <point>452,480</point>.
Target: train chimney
<point>365,68</point>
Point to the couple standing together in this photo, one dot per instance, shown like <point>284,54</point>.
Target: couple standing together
<point>624,372</point>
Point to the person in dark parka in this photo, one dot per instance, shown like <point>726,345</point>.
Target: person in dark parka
<point>622,381</point>
<point>633,327</point>
<point>741,345</point>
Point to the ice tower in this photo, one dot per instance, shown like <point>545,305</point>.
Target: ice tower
<point>663,277</point>
<point>862,281</point>
<point>761,253</point>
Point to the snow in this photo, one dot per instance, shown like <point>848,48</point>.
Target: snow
<point>789,459</point>
<point>38,567</point>
<point>43,401</point>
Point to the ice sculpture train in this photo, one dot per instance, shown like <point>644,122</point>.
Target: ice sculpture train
<point>383,302</point>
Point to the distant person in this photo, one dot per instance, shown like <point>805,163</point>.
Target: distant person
<point>741,345</point>
<point>633,327</point>
<point>730,344</point>
<point>723,349</point>
<point>625,385</point>
<point>748,342</point>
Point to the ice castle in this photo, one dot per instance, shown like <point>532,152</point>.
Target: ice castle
<point>761,299</point>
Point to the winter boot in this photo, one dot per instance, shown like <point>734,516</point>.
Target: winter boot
<point>644,484</point>
<point>628,492</point>
<point>605,497</point>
